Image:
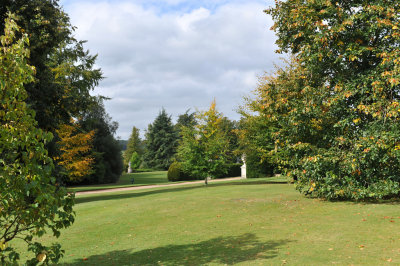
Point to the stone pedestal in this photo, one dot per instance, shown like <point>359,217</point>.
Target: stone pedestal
<point>129,168</point>
<point>243,167</point>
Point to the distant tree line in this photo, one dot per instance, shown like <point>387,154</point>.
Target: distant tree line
<point>167,144</point>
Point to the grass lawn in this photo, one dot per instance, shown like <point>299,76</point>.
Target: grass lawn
<point>246,222</point>
<point>141,179</point>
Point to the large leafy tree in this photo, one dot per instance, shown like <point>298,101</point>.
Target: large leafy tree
<point>255,141</point>
<point>161,142</point>
<point>336,107</point>
<point>30,200</point>
<point>65,71</point>
<point>230,128</point>
<point>108,163</point>
<point>204,148</point>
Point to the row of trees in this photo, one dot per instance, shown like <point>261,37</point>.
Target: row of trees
<point>53,131</point>
<point>165,143</point>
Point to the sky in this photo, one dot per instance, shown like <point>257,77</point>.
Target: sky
<point>174,54</point>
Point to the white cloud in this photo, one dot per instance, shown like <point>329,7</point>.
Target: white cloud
<point>176,59</point>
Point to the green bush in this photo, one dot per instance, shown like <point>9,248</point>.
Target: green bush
<point>174,172</point>
<point>256,169</point>
<point>177,173</point>
<point>135,161</point>
<point>234,170</point>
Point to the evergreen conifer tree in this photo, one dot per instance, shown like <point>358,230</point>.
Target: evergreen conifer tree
<point>161,142</point>
<point>134,145</point>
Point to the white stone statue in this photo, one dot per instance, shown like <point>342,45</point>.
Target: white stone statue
<point>129,168</point>
<point>243,167</point>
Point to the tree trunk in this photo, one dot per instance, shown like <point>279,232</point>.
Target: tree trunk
<point>206,181</point>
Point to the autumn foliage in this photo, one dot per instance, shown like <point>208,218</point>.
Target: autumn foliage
<point>31,202</point>
<point>334,110</point>
<point>204,148</point>
<point>75,146</point>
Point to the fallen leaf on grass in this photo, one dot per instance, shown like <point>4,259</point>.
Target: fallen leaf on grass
<point>389,260</point>
<point>391,221</point>
<point>85,258</point>
<point>330,248</point>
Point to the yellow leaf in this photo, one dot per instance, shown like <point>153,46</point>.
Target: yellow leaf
<point>41,257</point>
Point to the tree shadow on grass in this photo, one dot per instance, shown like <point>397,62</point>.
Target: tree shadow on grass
<point>221,250</point>
<point>139,193</point>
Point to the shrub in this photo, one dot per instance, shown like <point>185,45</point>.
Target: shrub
<point>174,172</point>
<point>135,161</point>
<point>256,169</point>
<point>234,170</point>
<point>177,173</point>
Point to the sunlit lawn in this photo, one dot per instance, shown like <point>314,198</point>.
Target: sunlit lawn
<point>249,222</point>
<point>140,179</point>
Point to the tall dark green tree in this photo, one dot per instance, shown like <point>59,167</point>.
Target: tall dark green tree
<point>134,145</point>
<point>186,120</point>
<point>65,71</point>
<point>230,128</point>
<point>161,142</point>
<point>106,150</point>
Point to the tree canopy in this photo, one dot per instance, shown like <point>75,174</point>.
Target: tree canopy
<point>65,72</point>
<point>134,145</point>
<point>204,148</point>
<point>76,151</point>
<point>161,142</point>
<point>334,109</point>
<point>30,200</point>
<point>106,150</point>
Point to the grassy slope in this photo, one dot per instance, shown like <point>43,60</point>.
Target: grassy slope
<point>244,222</point>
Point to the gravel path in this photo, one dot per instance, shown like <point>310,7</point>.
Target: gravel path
<point>153,186</point>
